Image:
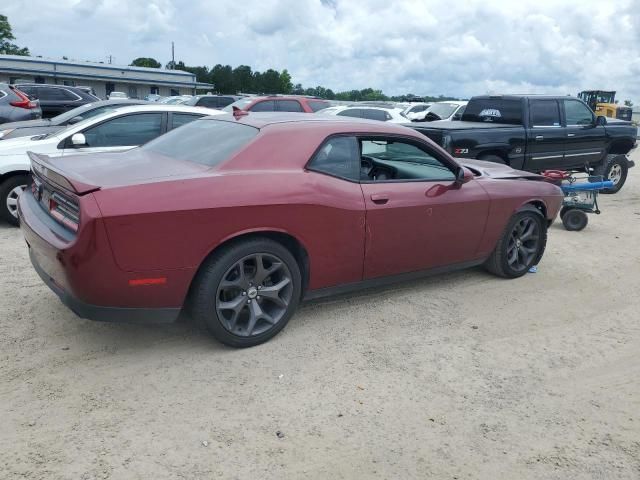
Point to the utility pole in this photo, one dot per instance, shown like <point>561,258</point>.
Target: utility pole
<point>173,57</point>
<point>110,57</point>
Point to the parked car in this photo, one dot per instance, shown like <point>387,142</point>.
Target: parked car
<point>278,103</point>
<point>241,218</point>
<point>536,133</point>
<point>115,131</point>
<point>59,122</point>
<point>114,95</point>
<point>413,111</point>
<point>152,97</point>
<point>56,99</point>
<point>449,110</point>
<point>212,101</point>
<point>89,90</point>
<point>382,114</point>
<point>16,106</point>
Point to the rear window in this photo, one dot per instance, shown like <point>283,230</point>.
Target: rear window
<point>494,110</point>
<point>208,142</point>
<point>315,105</point>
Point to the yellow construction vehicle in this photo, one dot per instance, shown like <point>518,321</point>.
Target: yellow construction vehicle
<point>603,102</point>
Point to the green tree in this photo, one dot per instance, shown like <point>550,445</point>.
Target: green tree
<point>222,78</point>
<point>285,82</point>
<point>297,89</point>
<point>271,81</point>
<point>628,103</point>
<point>242,78</point>
<point>146,62</point>
<point>6,47</point>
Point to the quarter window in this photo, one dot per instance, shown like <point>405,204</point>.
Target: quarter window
<point>350,112</point>
<point>544,113</point>
<point>316,105</point>
<point>337,157</point>
<point>127,130</point>
<point>388,160</point>
<point>577,113</point>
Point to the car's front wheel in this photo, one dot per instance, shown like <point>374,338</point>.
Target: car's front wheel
<point>10,190</point>
<point>521,245</point>
<point>246,293</point>
<point>616,170</point>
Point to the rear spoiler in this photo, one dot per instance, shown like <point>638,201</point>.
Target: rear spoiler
<point>41,164</point>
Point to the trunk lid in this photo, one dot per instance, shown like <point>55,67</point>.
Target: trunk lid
<point>87,173</point>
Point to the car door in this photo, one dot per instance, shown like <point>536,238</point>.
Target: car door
<point>585,141</point>
<point>545,148</point>
<point>418,216</point>
<point>119,133</point>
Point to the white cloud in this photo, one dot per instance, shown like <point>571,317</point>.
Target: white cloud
<point>420,46</point>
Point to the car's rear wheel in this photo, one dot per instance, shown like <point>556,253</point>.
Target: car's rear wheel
<point>521,246</point>
<point>246,293</point>
<point>10,190</point>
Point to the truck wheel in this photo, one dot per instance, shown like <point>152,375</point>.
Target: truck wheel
<point>574,219</point>
<point>10,189</point>
<point>492,158</point>
<point>616,171</point>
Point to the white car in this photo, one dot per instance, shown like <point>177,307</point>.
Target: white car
<point>415,111</point>
<point>393,115</point>
<point>113,95</point>
<point>449,110</point>
<point>116,131</point>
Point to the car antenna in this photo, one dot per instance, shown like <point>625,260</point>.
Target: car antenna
<point>237,113</point>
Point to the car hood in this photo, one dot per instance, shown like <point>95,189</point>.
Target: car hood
<point>87,173</point>
<point>29,131</point>
<point>496,170</point>
<point>20,145</point>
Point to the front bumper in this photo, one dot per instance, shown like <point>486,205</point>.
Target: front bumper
<point>105,314</point>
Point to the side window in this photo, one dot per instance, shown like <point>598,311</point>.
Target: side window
<point>30,91</point>
<point>544,113</point>
<point>350,112</point>
<point>265,106</point>
<point>224,101</point>
<point>337,157</point>
<point>385,160</point>
<point>209,102</point>
<point>51,94</point>
<point>289,106</point>
<point>577,113</point>
<point>179,119</point>
<point>124,131</point>
<point>372,114</point>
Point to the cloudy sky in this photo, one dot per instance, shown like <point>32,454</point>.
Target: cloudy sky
<point>454,47</point>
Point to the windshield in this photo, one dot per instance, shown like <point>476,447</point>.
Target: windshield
<point>442,110</point>
<point>208,142</point>
<point>66,116</point>
<point>241,104</point>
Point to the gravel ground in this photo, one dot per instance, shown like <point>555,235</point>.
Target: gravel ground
<point>460,376</point>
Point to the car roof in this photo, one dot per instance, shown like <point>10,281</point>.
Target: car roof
<point>520,97</point>
<point>295,120</point>
<point>154,107</point>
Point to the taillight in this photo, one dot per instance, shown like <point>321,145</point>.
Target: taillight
<point>64,210</point>
<point>24,101</point>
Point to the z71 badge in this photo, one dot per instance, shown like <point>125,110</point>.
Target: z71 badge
<point>460,151</point>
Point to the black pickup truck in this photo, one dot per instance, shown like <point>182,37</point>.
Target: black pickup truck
<point>536,133</point>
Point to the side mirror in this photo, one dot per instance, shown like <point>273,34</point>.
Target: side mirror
<point>78,140</point>
<point>601,120</point>
<point>74,120</point>
<point>463,176</point>
<point>457,116</point>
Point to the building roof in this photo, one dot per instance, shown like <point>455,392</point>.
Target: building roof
<point>97,71</point>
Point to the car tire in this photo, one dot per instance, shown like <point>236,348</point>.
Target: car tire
<point>528,250</point>
<point>574,219</point>
<point>229,298</point>
<point>492,158</point>
<point>9,191</point>
<point>616,170</point>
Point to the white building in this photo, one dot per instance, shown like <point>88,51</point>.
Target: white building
<point>104,78</point>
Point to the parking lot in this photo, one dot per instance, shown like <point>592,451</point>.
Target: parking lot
<point>458,376</point>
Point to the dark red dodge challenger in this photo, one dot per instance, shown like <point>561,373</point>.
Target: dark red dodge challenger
<point>239,218</point>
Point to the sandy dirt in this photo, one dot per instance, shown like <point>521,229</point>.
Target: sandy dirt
<point>461,376</point>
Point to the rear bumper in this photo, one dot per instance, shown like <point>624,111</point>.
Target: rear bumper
<point>106,314</point>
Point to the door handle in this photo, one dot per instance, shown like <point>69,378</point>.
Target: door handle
<point>571,134</point>
<point>539,137</point>
<point>379,198</point>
